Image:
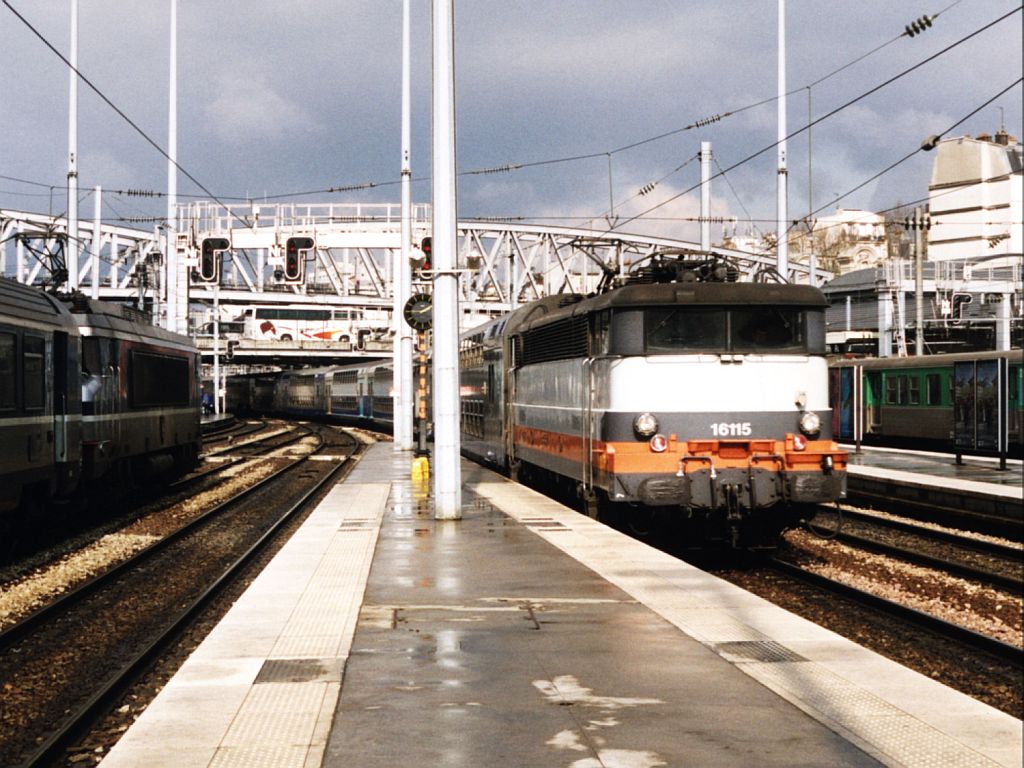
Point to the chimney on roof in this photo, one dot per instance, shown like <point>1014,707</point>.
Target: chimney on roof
<point>1002,137</point>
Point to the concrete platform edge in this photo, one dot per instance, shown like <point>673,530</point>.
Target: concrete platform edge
<point>835,688</point>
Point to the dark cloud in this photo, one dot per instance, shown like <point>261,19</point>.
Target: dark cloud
<point>277,98</point>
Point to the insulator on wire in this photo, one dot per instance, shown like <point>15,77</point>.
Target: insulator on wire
<point>918,26</point>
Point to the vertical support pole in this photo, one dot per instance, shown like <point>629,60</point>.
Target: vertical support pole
<point>19,259</point>
<point>97,239</point>
<point>705,196</point>
<point>447,475</point>
<point>918,284</point>
<point>421,399</point>
<point>1003,322</point>
<point>171,262</point>
<point>402,350</point>
<point>782,214</point>
<point>885,312</point>
<point>216,348</point>
<point>72,239</point>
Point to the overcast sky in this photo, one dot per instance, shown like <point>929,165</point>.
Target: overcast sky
<point>304,95</point>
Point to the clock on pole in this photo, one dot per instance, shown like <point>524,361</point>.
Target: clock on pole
<point>419,311</point>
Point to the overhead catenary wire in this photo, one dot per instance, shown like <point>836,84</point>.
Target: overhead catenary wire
<point>508,167</point>
<point>831,113</point>
<point>909,155</point>
<point>117,109</point>
<point>515,166</point>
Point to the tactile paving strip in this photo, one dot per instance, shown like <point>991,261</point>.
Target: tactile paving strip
<point>877,725</point>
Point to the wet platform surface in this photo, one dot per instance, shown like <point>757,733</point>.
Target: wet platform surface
<point>939,465</point>
<point>526,634</point>
<point>479,645</point>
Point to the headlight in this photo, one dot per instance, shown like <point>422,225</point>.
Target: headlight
<point>645,425</point>
<point>810,424</point>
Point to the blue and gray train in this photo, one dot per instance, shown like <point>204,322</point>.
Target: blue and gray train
<point>93,398</point>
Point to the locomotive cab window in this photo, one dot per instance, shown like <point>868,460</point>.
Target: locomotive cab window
<point>675,331</point>
<point>748,330</point>
<point>767,329</point>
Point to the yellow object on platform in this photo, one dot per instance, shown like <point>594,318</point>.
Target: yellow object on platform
<point>420,468</point>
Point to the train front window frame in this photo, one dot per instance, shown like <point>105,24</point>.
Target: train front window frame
<point>768,330</point>
<point>677,330</point>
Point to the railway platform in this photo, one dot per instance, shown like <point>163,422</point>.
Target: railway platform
<point>936,481</point>
<point>527,634</point>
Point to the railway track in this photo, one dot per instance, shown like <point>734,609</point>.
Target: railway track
<point>129,614</point>
<point>975,641</point>
<point>983,560</point>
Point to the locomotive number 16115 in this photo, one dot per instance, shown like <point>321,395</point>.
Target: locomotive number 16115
<point>731,429</point>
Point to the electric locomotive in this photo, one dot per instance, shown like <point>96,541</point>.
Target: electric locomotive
<point>93,399</point>
<point>40,413</point>
<point>673,389</point>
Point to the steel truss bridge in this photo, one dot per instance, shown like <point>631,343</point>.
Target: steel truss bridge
<point>501,264</point>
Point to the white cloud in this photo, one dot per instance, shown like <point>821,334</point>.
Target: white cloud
<point>249,108</point>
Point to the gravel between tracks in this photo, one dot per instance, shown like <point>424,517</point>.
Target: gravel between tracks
<point>22,595</point>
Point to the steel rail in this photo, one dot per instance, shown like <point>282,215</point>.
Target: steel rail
<point>979,545</point>
<point>44,613</point>
<point>80,720</point>
<point>970,638</point>
<point>1001,581</point>
<point>993,524</point>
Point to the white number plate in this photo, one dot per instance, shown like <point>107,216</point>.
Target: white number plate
<point>731,429</point>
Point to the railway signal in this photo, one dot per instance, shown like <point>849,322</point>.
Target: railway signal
<point>209,258</point>
<point>295,250</point>
<point>422,263</point>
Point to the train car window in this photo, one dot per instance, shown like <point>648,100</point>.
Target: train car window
<point>914,384</point>
<point>933,389</point>
<point>157,380</point>
<point>8,382</point>
<point>767,329</point>
<point>892,390</point>
<point>92,365</point>
<point>672,331</point>
<point>33,348</point>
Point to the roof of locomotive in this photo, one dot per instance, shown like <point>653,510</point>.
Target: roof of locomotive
<point>125,321</point>
<point>27,303</point>
<point>552,308</point>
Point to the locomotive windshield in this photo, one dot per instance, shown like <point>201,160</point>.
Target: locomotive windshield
<point>765,330</point>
